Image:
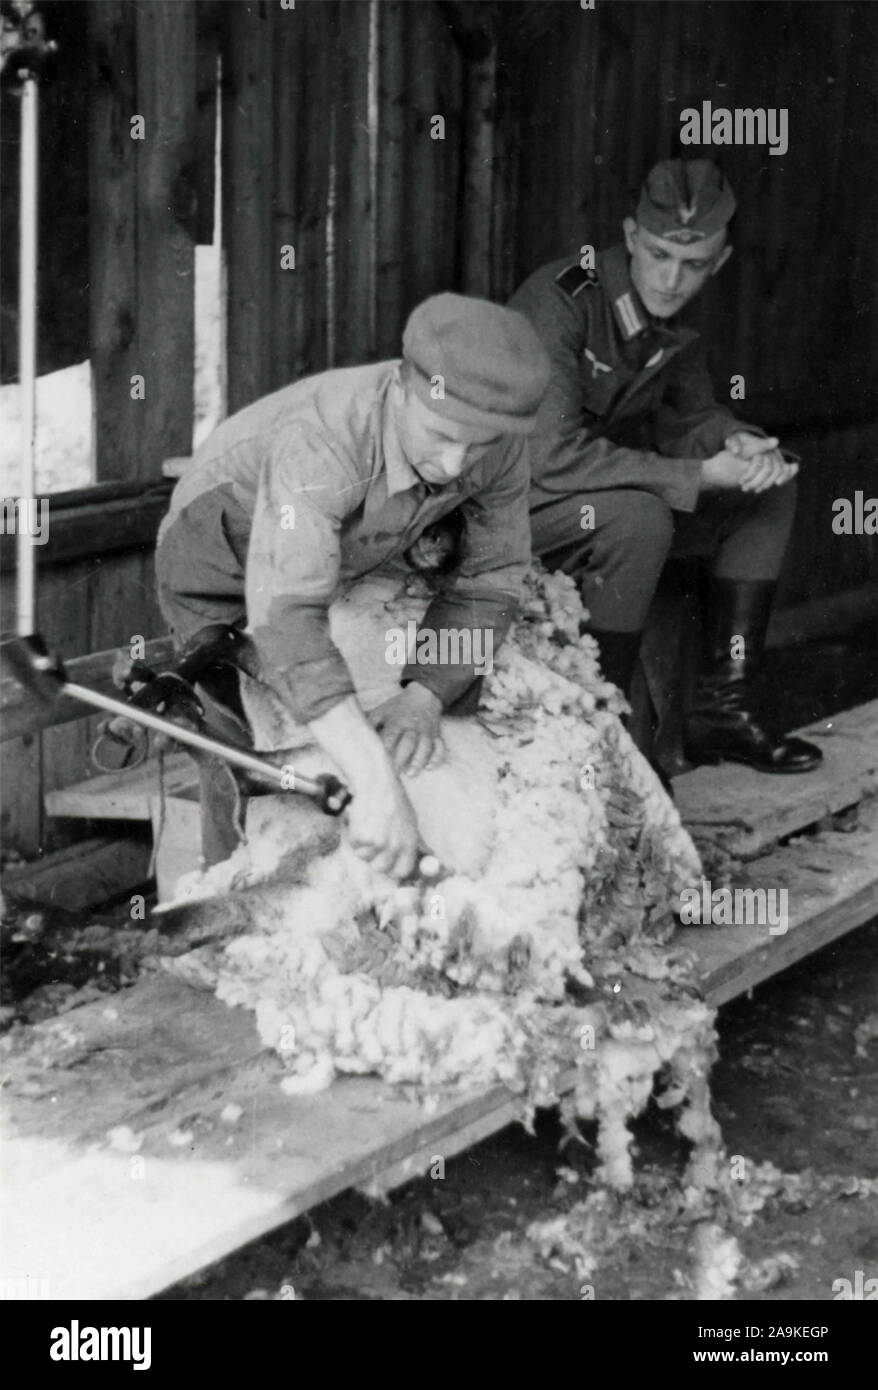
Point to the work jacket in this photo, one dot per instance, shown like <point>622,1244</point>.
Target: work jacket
<point>630,402</point>
<point>301,493</point>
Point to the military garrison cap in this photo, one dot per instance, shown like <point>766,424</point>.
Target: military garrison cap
<point>685,200</point>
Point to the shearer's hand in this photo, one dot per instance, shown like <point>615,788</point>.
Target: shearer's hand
<point>382,826</point>
<point>381,822</point>
<point>409,725</point>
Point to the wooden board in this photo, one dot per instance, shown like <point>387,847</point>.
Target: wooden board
<point>247,153</point>
<point>98,528</point>
<point>164,1060</point>
<point>166,230</point>
<point>124,795</point>
<point>354,163</point>
<point>390,231</point>
<point>831,881</point>
<point>20,715</point>
<point>20,810</point>
<point>82,875</point>
<point>113,238</point>
<point>746,811</point>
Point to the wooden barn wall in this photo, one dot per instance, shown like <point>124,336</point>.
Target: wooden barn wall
<point>796,309</point>
<point>327,150</point>
<point>137,60</point>
<point>88,605</point>
<point>552,114</point>
<point>327,114</point>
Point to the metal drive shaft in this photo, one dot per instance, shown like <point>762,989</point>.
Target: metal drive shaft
<point>41,674</point>
<point>285,778</point>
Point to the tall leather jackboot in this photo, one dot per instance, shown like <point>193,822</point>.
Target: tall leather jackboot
<point>724,722</point>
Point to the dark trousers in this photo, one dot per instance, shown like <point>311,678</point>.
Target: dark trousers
<point>617,563</point>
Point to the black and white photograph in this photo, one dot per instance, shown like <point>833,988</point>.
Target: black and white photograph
<point>439,695</point>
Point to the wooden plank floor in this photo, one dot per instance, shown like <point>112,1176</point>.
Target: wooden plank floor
<point>163,1061</point>
<point>832,886</point>
<point>747,810</point>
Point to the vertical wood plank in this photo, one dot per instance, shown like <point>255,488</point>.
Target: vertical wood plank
<point>247,170</point>
<point>480,100</point>
<point>421,154</point>
<point>432,166</point>
<point>21,802</point>
<point>302,173</point>
<point>543,128</point>
<point>89,606</point>
<point>505,180</point>
<point>352,158</point>
<point>65,601</point>
<point>610,37</point>
<point>207,30</point>
<point>166,227</point>
<point>389,231</point>
<point>582,135</point>
<point>113,240</point>
<point>638,152</point>
<point>289,60</point>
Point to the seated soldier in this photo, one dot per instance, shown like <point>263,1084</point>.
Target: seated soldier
<point>296,496</point>
<point>633,459</point>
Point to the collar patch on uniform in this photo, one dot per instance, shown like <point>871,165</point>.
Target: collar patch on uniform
<point>574,279</point>
<point>655,359</point>
<point>596,366</point>
<point>631,322</point>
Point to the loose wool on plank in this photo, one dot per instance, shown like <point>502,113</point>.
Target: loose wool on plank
<point>545,948</point>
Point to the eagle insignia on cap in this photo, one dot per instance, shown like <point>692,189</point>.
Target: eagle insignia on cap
<point>686,213</point>
<point>684,236</point>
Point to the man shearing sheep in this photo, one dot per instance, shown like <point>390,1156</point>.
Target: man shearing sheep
<point>301,493</point>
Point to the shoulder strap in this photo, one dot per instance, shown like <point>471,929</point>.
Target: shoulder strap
<point>574,280</point>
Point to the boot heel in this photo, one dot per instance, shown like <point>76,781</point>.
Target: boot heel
<point>699,758</point>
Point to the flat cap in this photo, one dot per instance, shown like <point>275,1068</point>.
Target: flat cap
<point>476,362</point>
<point>685,200</point>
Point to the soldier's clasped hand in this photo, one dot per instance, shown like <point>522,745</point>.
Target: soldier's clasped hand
<point>748,463</point>
<point>768,466</point>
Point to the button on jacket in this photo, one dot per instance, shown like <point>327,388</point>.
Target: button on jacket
<point>304,491</point>
<point>630,402</point>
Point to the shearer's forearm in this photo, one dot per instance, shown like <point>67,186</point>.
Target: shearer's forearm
<point>467,627</point>
<point>346,735</point>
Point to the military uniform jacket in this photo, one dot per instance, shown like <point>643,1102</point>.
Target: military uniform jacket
<point>630,402</point>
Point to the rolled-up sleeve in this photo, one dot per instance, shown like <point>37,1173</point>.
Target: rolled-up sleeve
<point>293,563</point>
<point>483,594</point>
